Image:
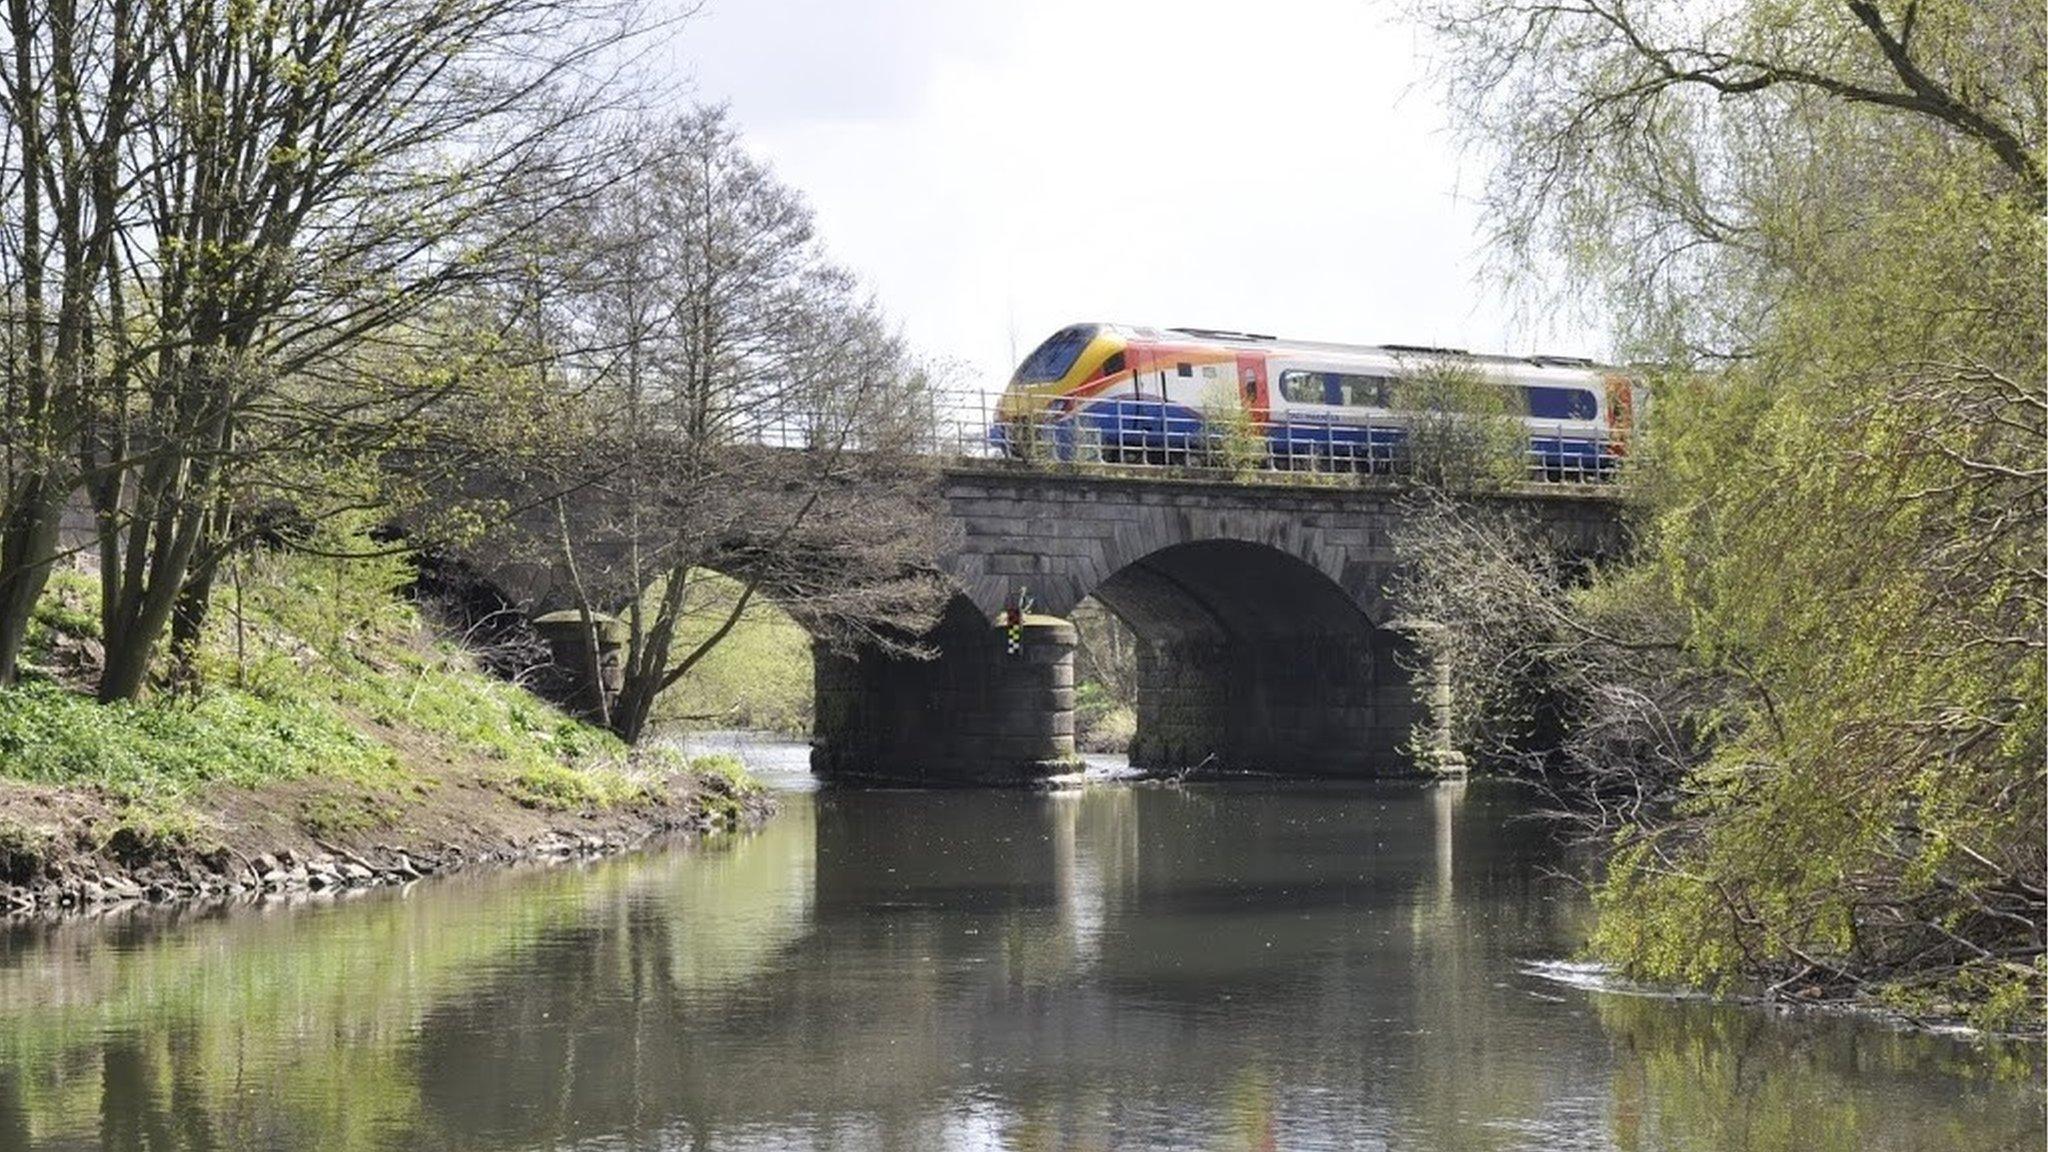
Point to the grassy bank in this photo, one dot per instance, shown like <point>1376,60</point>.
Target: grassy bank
<point>757,678</point>
<point>329,721</point>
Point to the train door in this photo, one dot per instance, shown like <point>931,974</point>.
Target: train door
<point>1252,384</point>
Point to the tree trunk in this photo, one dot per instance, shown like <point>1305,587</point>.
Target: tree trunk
<point>634,706</point>
<point>28,545</point>
<point>188,625</point>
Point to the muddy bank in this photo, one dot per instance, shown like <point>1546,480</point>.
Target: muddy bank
<point>64,850</point>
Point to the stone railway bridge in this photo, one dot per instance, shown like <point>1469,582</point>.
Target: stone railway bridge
<point>1264,638</point>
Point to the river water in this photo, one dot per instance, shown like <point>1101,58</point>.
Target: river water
<point>1255,965</point>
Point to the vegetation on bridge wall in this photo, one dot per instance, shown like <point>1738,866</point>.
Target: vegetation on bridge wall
<point>1807,722</point>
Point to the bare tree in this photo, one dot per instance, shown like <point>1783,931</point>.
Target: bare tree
<point>71,95</point>
<point>757,416</point>
<point>317,170</point>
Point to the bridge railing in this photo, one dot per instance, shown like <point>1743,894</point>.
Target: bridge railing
<point>974,429</point>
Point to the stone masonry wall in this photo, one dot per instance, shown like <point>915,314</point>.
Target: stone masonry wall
<point>1062,534</point>
<point>1318,706</point>
<point>978,713</point>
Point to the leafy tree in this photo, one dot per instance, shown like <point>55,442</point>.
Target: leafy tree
<point>1825,220</point>
<point>220,205</point>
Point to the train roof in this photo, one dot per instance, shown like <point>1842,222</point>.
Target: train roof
<point>1263,342</point>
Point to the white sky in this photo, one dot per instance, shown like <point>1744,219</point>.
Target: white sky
<point>998,170</point>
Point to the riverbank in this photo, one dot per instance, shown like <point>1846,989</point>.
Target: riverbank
<point>331,738</point>
<point>72,849</point>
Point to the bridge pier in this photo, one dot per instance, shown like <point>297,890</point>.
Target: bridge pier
<point>980,713</point>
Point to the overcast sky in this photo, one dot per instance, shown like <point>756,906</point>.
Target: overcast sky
<point>998,170</point>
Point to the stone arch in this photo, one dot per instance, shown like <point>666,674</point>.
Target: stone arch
<point>1254,657</point>
<point>1132,544</point>
<point>1062,548</point>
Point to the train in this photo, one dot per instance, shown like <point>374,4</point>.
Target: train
<point>1132,394</point>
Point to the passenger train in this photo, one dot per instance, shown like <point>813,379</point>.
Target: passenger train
<point>1135,394</point>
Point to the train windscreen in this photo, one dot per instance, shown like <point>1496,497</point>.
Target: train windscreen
<point>1052,359</point>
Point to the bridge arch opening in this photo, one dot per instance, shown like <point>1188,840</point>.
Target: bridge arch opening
<point>756,676</point>
<point>1249,658</point>
<point>747,650</point>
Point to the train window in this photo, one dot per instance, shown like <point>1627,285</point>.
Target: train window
<point>1366,391</point>
<point>1337,388</point>
<point>1301,387</point>
<point>1054,358</point>
<point>1561,403</point>
<point>1186,369</point>
<point>1113,365</point>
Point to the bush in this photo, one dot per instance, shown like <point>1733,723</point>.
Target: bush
<point>1236,442</point>
<point>1465,430</point>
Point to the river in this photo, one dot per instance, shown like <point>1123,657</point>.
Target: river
<point>1253,965</point>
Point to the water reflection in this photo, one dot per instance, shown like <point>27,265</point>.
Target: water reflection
<point>1128,967</point>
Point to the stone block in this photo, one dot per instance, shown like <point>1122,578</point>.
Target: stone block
<point>1014,564</point>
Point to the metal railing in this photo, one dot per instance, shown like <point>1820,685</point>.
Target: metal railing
<point>1148,439</point>
<point>1325,451</point>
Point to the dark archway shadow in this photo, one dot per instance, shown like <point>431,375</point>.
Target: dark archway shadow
<point>1250,659</point>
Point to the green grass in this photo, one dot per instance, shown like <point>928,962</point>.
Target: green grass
<point>566,788</point>
<point>336,635</point>
<point>309,667</point>
<point>727,767</point>
<point>1101,721</point>
<point>68,608</point>
<point>51,735</point>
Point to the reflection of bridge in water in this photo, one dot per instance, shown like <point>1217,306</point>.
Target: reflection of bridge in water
<point>1252,966</point>
<point>1264,636</point>
<point>1198,954</point>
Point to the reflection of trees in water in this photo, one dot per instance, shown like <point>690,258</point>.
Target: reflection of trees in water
<point>294,1021</point>
<point>1215,967</point>
<point>1691,1074</point>
<point>1062,969</point>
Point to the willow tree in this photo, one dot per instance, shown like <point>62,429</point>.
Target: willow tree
<point>1824,220</point>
